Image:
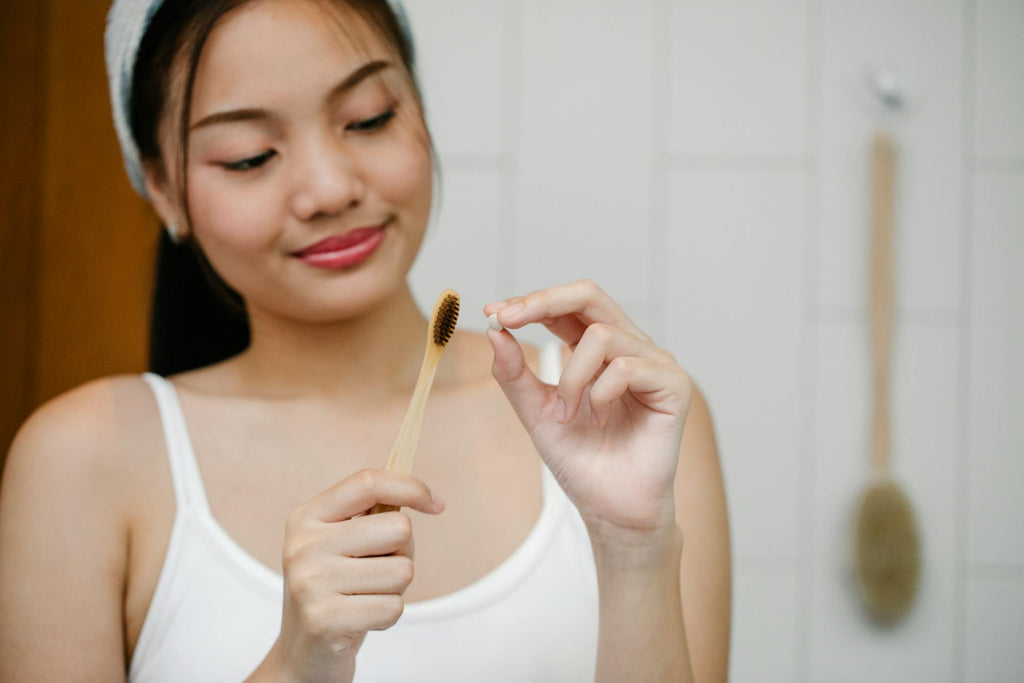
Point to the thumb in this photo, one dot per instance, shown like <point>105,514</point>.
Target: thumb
<point>530,397</point>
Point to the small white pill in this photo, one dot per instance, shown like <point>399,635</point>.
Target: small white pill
<point>492,322</point>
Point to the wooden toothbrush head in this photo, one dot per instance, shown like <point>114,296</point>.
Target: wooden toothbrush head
<point>444,318</point>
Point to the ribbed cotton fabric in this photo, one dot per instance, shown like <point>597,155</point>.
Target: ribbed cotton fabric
<point>217,610</point>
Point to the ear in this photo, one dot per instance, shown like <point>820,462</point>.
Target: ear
<point>164,196</point>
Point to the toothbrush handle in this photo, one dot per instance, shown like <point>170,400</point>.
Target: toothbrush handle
<point>402,452</point>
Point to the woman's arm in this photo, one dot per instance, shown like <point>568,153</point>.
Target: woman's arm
<point>706,575</point>
<point>612,433</point>
<point>63,546</point>
<point>650,593</point>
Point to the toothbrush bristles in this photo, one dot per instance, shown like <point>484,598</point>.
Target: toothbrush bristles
<point>447,316</point>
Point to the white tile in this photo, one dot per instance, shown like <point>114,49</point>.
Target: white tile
<point>735,320</point>
<point>843,644</point>
<point>460,250</point>
<point>764,629</point>
<point>996,388</point>
<point>583,204</point>
<point>739,77</point>
<point>994,623</point>
<point>922,44</point>
<point>459,46</point>
<point>999,78</point>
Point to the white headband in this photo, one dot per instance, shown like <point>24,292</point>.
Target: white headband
<point>127,22</point>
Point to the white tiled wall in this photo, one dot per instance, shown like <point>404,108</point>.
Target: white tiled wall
<point>707,163</point>
<point>996,384</point>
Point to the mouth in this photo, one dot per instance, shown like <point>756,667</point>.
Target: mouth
<point>342,251</point>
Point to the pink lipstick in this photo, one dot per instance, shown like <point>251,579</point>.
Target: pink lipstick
<point>343,251</point>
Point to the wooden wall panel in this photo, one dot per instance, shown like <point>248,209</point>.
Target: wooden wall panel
<point>22,71</point>
<point>97,236</point>
<point>76,243</point>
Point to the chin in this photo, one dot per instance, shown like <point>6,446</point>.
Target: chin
<point>345,300</point>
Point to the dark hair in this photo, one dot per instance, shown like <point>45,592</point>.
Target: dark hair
<point>196,318</point>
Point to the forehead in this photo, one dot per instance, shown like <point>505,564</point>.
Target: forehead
<point>280,49</point>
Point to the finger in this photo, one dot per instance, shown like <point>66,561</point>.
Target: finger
<point>567,328</point>
<point>370,535</point>
<point>582,299</point>
<point>600,345</point>
<point>361,491</point>
<point>661,386</point>
<point>530,398</point>
<point>373,575</point>
<point>354,613</point>
<point>498,305</point>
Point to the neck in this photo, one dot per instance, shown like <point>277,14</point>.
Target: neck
<point>373,355</point>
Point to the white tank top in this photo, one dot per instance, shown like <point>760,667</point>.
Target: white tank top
<point>216,609</point>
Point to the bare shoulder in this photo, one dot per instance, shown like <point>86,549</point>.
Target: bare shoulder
<point>64,503</point>
<point>88,447</point>
<point>83,431</point>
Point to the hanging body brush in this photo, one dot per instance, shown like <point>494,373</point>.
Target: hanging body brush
<point>887,542</point>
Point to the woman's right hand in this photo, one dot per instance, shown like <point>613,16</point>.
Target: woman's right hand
<point>344,574</point>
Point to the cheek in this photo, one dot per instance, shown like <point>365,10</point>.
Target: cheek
<point>235,217</point>
<point>404,176</point>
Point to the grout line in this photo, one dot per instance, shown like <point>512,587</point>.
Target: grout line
<point>989,164</point>
<point>658,280</point>
<point>961,501</point>
<point>738,162</point>
<point>926,317</point>
<point>512,56</point>
<point>812,170</point>
<point>994,571</point>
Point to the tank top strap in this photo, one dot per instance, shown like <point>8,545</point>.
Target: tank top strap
<point>189,491</point>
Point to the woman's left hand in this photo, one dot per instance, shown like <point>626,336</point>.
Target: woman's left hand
<point>610,431</point>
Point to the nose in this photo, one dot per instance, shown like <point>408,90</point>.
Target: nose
<point>327,179</point>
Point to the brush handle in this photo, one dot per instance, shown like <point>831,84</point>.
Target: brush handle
<point>881,294</point>
<point>402,452</point>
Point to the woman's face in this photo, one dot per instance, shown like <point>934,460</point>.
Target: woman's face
<point>304,128</point>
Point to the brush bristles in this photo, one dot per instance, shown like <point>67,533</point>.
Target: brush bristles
<point>447,316</point>
<point>888,552</point>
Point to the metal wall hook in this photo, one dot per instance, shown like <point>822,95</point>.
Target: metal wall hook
<point>885,86</point>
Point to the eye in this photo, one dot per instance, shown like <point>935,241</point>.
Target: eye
<point>250,163</point>
<point>376,123</point>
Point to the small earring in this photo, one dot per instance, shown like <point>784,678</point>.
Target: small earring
<point>174,232</point>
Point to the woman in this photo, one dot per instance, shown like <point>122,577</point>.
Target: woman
<point>285,143</point>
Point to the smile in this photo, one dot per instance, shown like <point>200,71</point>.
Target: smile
<point>343,251</point>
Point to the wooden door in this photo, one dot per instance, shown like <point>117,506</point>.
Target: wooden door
<point>76,244</point>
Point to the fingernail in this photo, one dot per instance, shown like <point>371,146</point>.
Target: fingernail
<point>437,500</point>
<point>492,322</point>
<point>497,304</point>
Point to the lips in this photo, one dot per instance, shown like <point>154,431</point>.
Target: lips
<point>342,252</point>
<point>341,242</point>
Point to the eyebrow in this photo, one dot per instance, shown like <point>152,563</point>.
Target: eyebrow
<point>258,114</point>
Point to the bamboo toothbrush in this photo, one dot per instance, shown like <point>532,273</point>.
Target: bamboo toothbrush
<point>439,331</point>
<point>887,542</point>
